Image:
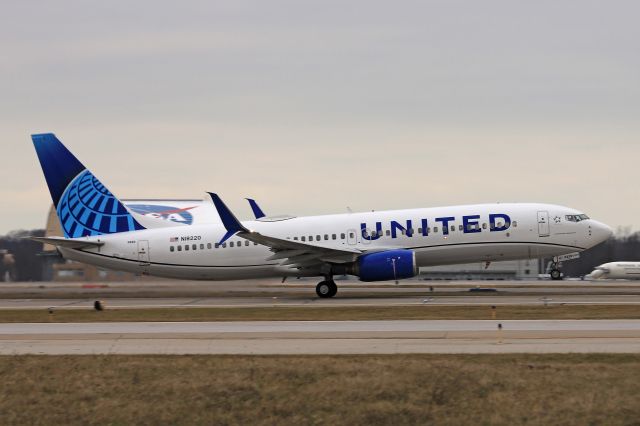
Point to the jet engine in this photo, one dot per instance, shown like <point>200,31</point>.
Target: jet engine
<point>385,265</point>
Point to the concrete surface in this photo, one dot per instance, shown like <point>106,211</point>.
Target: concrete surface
<point>260,293</point>
<point>322,337</point>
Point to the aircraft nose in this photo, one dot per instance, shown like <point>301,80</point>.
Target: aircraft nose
<point>600,231</point>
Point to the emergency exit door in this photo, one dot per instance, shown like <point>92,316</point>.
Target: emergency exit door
<point>352,238</point>
<point>543,223</point>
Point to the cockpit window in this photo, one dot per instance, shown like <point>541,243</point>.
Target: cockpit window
<point>576,217</point>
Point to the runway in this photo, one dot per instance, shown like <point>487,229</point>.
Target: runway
<point>322,337</point>
<point>224,302</point>
<point>265,293</point>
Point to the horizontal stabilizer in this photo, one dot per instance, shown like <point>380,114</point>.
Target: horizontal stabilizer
<point>67,242</point>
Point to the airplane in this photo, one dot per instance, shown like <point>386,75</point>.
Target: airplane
<point>374,246</point>
<point>617,271</point>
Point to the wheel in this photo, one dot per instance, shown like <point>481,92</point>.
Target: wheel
<point>326,289</point>
<point>334,288</point>
<point>556,274</point>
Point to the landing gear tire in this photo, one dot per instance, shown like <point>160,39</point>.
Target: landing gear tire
<point>326,289</point>
<point>556,275</point>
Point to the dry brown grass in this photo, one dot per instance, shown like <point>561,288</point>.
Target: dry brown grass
<point>303,313</point>
<point>367,390</point>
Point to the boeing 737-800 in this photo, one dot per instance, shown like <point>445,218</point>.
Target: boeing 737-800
<point>374,246</point>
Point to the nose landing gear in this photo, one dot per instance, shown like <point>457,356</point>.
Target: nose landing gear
<point>327,288</point>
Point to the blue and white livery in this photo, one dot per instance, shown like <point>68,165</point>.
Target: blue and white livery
<point>374,246</point>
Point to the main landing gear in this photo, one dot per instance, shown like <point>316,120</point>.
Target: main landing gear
<point>327,288</point>
<point>554,271</point>
<point>556,274</point>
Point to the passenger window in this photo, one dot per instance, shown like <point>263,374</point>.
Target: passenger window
<point>403,232</point>
<point>179,248</point>
<point>255,244</point>
<point>171,248</point>
<point>310,237</point>
<point>388,232</point>
<point>352,235</point>
<point>231,244</point>
<point>217,245</point>
<point>326,237</point>
<point>435,229</point>
<point>209,246</point>
<point>333,236</point>
<point>453,228</point>
<point>461,227</point>
<point>195,246</point>
<point>419,230</point>
<point>515,224</point>
<point>342,236</point>
<point>484,226</point>
<point>303,238</point>
<point>186,247</point>
<point>295,238</point>
<point>246,243</point>
<point>201,246</point>
<point>317,237</point>
<point>224,245</point>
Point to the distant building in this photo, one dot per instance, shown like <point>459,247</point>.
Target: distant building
<point>506,270</point>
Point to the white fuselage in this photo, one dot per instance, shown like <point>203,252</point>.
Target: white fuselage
<point>535,231</point>
<point>617,271</point>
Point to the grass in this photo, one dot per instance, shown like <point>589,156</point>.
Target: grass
<point>294,390</point>
<point>298,313</point>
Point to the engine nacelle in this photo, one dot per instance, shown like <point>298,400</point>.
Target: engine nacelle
<point>386,265</point>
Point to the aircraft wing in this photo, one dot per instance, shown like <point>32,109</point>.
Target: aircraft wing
<point>67,242</point>
<point>295,253</point>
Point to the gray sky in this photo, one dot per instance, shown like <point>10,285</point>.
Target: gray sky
<point>312,106</point>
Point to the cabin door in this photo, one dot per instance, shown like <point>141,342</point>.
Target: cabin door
<point>543,223</point>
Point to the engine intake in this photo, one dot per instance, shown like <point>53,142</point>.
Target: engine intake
<point>386,265</point>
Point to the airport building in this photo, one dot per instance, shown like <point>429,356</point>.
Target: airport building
<point>200,212</point>
<point>508,270</point>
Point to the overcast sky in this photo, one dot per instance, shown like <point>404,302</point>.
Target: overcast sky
<point>313,106</point>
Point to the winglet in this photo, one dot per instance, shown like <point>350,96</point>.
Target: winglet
<point>230,222</point>
<point>257,211</point>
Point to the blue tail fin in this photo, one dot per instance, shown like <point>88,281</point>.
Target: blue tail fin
<point>85,206</point>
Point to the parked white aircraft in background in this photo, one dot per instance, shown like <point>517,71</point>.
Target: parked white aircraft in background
<point>375,246</point>
<point>617,271</point>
